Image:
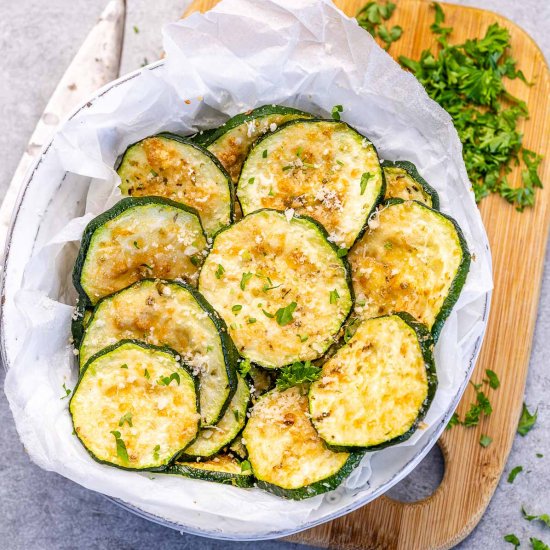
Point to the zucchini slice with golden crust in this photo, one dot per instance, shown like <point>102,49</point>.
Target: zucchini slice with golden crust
<point>220,469</point>
<point>170,314</point>
<point>279,285</point>
<point>376,389</point>
<point>411,259</point>
<point>139,238</point>
<point>213,438</point>
<point>404,182</point>
<point>232,141</point>
<point>135,406</point>
<point>287,455</point>
<point>320,168</point>
<point>174,167</point>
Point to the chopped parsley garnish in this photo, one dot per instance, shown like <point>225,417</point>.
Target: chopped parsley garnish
<point>245,278</point>
<point>237,415</point>
<point>513,473</point>
<point>303,337</point>
<point>251,320</point>
<point>334,296</point>
<point>512,539</point>
<point>299,151</point>
<point>66,390</point>
<point>388,245</point>
<point>389,35</point>
<point>136,30</point>
<point>269,285</point>
<point>467,80</point>
<point>250,181</point>
<point>244,367</point>
<point>537,544</point>
<point>267,314</point>
<point>288,167</point>
<point>264,154</point>
<point>336,110</point>
<point>271,194</point>
<point>196,260</point>
<point>126,418</point>
<point>339,162</point>
<point>341,252</point>
<point>350,329</point>
<point>219,271</point>
<point>370,17</point>
<point>125,366</point>
<point>453,421</point>
<point>147,266</point>
<point>297,373</point>
<point>539,455</point>
<point>166,380</point>
<point>493,380</point>
<point>485,440</point>
<point>284,314</point>
<point>153,173</point>
<point>245,466</point>
<point>146,374</point>
<point>121,451</point>
<point>526,421</point>
<point>236,308</point>
<point>365,180</point>
<point>156,452</point>
<point>136,245</point>
<point>545,518</point>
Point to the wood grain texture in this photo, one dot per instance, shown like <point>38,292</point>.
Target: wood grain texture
<point>518,244</point>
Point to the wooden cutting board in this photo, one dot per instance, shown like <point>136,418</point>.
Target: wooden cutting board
<point>518,243</point>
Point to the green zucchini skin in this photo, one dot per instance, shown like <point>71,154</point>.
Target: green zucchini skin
<point>80,319</point>
<point>319,487</point>
<point>230,353</point>
<point>202,150</point>
<point>426,343</point>
<point>381,193</point>
<point>143,345</point>
<point>322,231</point>
<point>190,470</point>
<point>411,169</point>
<point>122,206</point>
<point>210,136</point>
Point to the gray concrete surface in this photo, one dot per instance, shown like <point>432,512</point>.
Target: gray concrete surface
<point>41,510</point>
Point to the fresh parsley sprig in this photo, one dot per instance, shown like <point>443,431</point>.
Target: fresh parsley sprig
<point>297,373</point>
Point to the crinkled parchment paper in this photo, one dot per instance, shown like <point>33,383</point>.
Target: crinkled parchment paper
<point>242,54</point>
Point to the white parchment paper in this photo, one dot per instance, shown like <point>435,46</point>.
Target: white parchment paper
<point>242,54</point>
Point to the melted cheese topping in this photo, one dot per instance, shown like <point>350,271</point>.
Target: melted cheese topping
<point>406,261</point>
<point>164,314</point>
<point>373,388</point>
<point>232,147</point>
<point>212,438</point>
<point>263,264</point>
<point>283,447</point>
<point>401,185</point>
<point>179,171</point>
<point>316,169</point>
<point>149,240</point>
<point>154,420</point>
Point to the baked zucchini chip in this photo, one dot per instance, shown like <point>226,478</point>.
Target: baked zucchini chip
<point>411,259</point>
<point>174,167</point>
<point>220,469</point>
<point>232,141</point>
<point>213,438</point>
<point>175,315</point>
<point>320,168</point>
<point>136,239</point>
<point>376,389</point>
<point>287,455</point>
<point>135,406</point>
<point>279,285</point>
<point>404,182</point>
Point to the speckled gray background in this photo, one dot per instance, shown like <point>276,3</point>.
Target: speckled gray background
<point>42,510</point>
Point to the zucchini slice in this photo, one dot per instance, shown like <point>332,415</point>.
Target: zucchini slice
<point>321,168</point>
<point>232,141</point>
<point>220,469</point>
<point>412,259</point>
<point>135,406</point>
<point>213,438</point>
<point>136,239</point>
<point>404,182</point>
<point>173,167</point>
<point>279,285</point>
<point>287,455</point>
<point>376,389</point>
<point>170,314</point>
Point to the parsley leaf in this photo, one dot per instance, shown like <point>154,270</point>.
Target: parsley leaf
<point>513,473</point>
<point>389,36</point>
<point>121,451</point>
<point>146,374</point>
<point>236,308</point>
<point>336,110</point>
<point>244,367</point>
<point>245,278</point>
<point>545,518</point>
<point>264,154</point>
<point>485,440</point>
<point>297,373</point>
<point>284,314</point>
<point>67,392</point>
<point>334,296</point>
<point>453,421</point>
<point>156,452</point>
<point>512,539</point>
<point>537,544</point>
<point>246,466</point>
<point>219,271</point>
<point>342,252</point>
<point>494,382</point>
<point>267,314</point>
<point>166,380</point>
<point>126,418</point>
<point>370,18</point>
<point>526,421</point>
<point>365,180</point>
